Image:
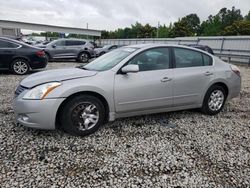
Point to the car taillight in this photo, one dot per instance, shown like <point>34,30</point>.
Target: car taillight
<point>235,69</point>
<point>40,53</point>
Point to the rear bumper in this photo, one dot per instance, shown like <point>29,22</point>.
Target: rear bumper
<point>39,63</point>
<point>235,87</point>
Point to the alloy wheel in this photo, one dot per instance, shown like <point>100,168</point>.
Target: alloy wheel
<point>216,100</point>
<point>84,57</point>
<point>85,116</point>
<point>20,67</point>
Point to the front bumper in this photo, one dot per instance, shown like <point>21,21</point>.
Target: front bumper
<point>38,114</point>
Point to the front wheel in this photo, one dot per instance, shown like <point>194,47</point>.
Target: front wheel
<point>214,100</point>
<point>20,67</point>
<point>83,57</point>
<point>82,115</point>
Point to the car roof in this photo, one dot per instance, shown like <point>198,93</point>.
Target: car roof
<point>9,39</point>
<point>72,39</point>
<point>152,45</point>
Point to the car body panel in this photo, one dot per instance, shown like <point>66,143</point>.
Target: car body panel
<point>159,95</point>
<point>55,75</point>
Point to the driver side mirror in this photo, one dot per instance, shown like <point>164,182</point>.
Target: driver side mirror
<point>130,69</point>
<point>54,46</point>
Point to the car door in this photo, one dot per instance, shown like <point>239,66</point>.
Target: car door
<point>149,88</point>
<point>73,47</point>
<point>7,52</point>
<point>192,74</point>
<point>58,49</point>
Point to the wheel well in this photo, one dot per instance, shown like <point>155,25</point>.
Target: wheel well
<point>97,95</point>
<point>222,85</point>
<point>23,58</point>
<point>84,52</point>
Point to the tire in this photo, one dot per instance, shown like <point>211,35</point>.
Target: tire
<point>83,57</point>
<point>82,115</point>
<point>20,67</point>
<point>214,100</point>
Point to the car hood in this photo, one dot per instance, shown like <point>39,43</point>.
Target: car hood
<point>55,75</point>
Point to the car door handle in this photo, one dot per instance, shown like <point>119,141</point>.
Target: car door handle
<point>208,73</point>
<point>166,79</point>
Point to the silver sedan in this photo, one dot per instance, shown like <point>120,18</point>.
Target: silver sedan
<point>129,81</point>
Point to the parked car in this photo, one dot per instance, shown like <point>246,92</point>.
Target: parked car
<point>20,57</point>
<point>105,49</point>
<point>129,81</point>
<point>202,47</point>
<point>81,50</point>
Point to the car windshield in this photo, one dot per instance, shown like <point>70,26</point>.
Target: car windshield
<point>109,60</point>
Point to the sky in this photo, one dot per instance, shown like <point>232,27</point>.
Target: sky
<point>111,14</point>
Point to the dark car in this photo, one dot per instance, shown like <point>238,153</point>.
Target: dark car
<point>19,57</point>
<point>202,47</point>
<point>81,50</point>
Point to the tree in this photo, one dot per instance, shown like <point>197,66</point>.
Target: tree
<point>164,31</point>
<point>192,22</point>
<point>247,17</point>
<point>147,31</point>
<point>180,29</point>
<point>238,28</point>
<point>211,27</point>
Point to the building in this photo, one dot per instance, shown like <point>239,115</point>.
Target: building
<point>10,32</point>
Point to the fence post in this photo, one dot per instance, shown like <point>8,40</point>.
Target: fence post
<point>198,40</point>
<point>222,45</point>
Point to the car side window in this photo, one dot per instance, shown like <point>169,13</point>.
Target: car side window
<point>60,43</point>
<point>187,58</point>
<point>6,44</point>
<point>70,43</point>
<point>74,43</point>
<point>152,59</point>
<point>207,60</point>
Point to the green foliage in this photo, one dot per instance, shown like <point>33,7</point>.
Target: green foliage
<point>238,28</point>
<point>220,24</point>
<point>215,25</point>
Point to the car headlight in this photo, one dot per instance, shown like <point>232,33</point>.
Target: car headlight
<point>41,91</point>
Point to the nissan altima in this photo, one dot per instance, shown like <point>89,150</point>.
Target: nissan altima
<point>129,81</point>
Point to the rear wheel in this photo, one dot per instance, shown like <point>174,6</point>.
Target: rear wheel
<point>214,100</point>
<point>20,66</point>
<point>83,57</point>
<point>82,115</point>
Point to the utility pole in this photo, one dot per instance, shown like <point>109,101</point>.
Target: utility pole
<point>157,36</point>
<point>87,28</point>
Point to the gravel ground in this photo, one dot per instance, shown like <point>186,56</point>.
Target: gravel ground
<point>179,149</point>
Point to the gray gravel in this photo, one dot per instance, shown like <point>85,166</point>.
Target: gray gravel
<point>164,150</point>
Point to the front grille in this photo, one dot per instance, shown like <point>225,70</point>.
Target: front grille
<point>19,90</point>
